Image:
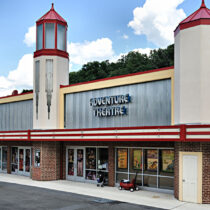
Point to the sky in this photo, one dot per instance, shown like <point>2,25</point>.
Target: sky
<point>97,30</point>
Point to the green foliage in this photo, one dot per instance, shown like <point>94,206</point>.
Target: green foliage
<point>131,63</point>
<point>26,90</point>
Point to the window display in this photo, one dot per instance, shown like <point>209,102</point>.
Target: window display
<point>71,162</point>
<point>37,158</point>
<point>27,160</point>
<point>4,158</point>
<point>168,161</point>
<point>21,159</point>
<point>90,158</point>
<point>80,162</point>
<point>137,159</point>
<point>91,175</point>
<point>102,159</point>
<point>152,160</point>
<point>14,159</point>
<point>96,162</point>
<point>122,155</point>
<point>154,167</point>
<point>0,158</point>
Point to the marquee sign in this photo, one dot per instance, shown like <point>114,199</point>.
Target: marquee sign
<point>105,106</point>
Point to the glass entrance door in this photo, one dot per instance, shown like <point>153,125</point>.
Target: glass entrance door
<point>75,163</point>
<point>24,161</point>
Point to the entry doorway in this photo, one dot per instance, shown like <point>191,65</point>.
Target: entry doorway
<point>21,160</point>
<point>190,181</point>
<point>76,163</point>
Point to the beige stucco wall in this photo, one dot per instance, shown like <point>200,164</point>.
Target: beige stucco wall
<point>60,77</point>
<point>192,73</point>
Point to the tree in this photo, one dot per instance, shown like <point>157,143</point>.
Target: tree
<point>130,63</point>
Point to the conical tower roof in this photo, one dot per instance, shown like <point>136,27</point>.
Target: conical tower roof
<point>51,15</point>
<point>199,17</point>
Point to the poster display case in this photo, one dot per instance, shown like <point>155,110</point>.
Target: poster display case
<point>154,166</point>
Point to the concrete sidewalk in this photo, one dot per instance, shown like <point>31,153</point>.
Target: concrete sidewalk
<point>154,199</point>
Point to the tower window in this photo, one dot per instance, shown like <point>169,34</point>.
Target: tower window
<point>39,36</point>
<point>49,35</point>
<point>61,39</point>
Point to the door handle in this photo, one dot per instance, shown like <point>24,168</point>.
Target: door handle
<point>183,180</point>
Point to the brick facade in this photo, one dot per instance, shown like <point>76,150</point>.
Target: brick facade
<point>194,147</point>
<point>49,161</point>
<point>53,159</point>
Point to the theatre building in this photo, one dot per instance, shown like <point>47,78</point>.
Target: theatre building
<point>155,123</point>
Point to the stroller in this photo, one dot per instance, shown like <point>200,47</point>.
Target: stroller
<point>100,180</point>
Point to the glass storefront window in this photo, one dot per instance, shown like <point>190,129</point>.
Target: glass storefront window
<point>90,175</point>
<point>0,158</point>
<point>80,158</point>
<point>27,160</point>
<point>135,160</point>
<point>37,158</point>
<point>166,183</point>
<point>71,162</point>
<point>102,159</point>
<point>151,160</point>
<point>166,162</point>
<point>4,158</point>
<point>14,160</point>
<point>21,159</point>
<point>120,176</point>
<point>150,181</point>
<point>90,158</point>
<point>122,160</point>
<point>96,162</point>
<point>153,167</point>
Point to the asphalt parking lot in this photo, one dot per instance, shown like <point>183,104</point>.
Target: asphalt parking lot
<point>19,197</point>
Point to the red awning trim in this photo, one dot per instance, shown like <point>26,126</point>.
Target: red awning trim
<point>182,133</point>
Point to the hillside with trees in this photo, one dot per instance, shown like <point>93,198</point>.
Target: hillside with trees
<point>131,63</point>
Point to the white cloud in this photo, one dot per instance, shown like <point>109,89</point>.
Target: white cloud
<point>157,19</point>
<point>125,36</point>
<point>30,36</point>
<point>140,50</point>
<point>99,50</point>
<point>143,50</point>
<point>20,78</point>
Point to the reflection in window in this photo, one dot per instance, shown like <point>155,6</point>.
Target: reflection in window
<point>122,159</point>
<point>154,167</point>
<point>27,160</point>
<point>90,158</point>
<point>37,158</point>
<point>96,162</point>
<point>39,37</point>
<point>49,35</point>
<point>80,162</point>
<point>14,160</point>
<point>103,159</point>
<point>71,162</point>
<point>4,158</point>
<point>0,159</point>
<point>61,39</point>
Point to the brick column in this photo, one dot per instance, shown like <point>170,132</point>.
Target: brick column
<point>50,162</point>
<point>176,169</point>
<point>9,159</point>
<point>111,166</point>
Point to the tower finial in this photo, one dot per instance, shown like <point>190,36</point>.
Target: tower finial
<point>203,4</point>
<point>52,8</point>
